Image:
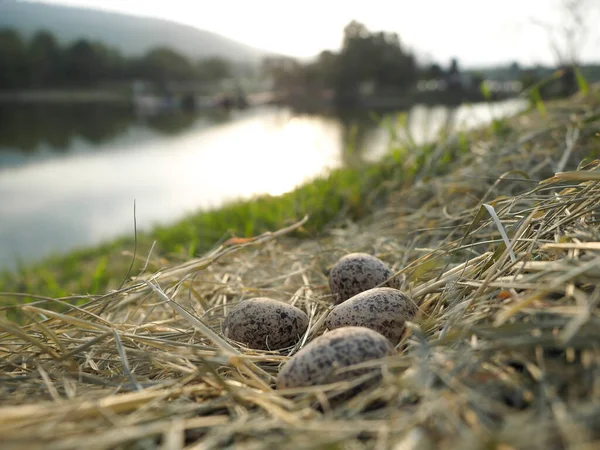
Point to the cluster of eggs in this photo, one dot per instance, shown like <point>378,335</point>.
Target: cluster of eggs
<point>366,323</point>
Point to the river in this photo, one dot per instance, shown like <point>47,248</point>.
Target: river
<point>69,174</point>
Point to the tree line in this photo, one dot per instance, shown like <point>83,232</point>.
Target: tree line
<point>379,65</point>
<point>374,61</point>
<point>43,62</point>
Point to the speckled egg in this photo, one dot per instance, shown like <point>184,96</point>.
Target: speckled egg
<point>381,309</point>
<point>358,272</point>
<point>265,324</point>
<point>315,364</point>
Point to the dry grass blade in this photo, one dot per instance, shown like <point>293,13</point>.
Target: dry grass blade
<point>221,343</point>
<point>492,212</point>
<point>572,246</point>
<point>15,331</point>
<point>197,323</point>
<point>125,362</point>
<point>547,288</point>
<point>574,176</point>
<point>203,263</point>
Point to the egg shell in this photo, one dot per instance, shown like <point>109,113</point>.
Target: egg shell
<point>265,324</point>
<point>315,363</point>
<point>384,310</point>
<point>358,272</point>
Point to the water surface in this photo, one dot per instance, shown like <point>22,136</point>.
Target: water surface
<point>69,174</point>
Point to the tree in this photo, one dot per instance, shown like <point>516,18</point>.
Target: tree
<point>44,60</point>
<point>377,58</point>
<point>355,60</point>
<point>285,72</point>
<point>514,69</point>
<point>321,73</point>
<point>82,64</point>
<point>395,67</point>
<point>434,71</point>
<point>13,60</point>
<point>112,65</point>
<point>213,69</point>
<point>163,65</point>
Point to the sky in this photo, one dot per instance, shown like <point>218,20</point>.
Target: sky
<point>478,32</point>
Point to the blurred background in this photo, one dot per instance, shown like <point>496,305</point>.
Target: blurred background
<point>184,105</point>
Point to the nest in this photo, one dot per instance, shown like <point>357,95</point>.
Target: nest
<point>502,256</point>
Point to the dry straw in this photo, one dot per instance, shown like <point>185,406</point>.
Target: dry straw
<point>504,352</point>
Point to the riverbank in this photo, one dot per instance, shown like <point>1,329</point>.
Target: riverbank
<point>301,100</point>
<point>395,100</point>
<point>119,96</point>
<point>503,352</point>
<point>344,194</point>
<point>65,96</point>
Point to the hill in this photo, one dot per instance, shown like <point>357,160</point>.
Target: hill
<point>132,35</point>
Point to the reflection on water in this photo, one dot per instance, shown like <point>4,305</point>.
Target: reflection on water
<point>27,127</point>
<point>69,173</point>
<point>32,131</point>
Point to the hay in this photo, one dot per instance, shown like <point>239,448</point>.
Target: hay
<point>504,352</point>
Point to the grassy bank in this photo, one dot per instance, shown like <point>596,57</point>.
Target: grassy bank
<point>498,245</point>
